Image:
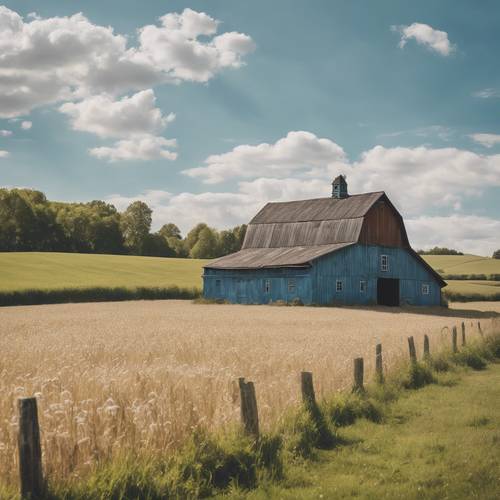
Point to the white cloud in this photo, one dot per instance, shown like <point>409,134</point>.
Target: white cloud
<point>26,125</point>
<point>416,178</point>
<point>421,178</point>
<point>43,61</point>
<point>5,133</point>
<point>142,148</point>
<point>487,140</point>
<point>133,119</point>
<point>468,233</point>
<point>427,36</point>
<point>487,93</point>
<point>127,117</point>
<point>4,154</point>
<point>297,151</point>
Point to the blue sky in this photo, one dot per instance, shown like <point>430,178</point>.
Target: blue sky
<point>265,101</point>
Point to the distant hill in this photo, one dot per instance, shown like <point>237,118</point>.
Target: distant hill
<point>463,264</point>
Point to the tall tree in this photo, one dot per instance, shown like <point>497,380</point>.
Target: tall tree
<point>136,224</point>
<point>170,230</point>
<point>193,235</point>
<point>206,246</point>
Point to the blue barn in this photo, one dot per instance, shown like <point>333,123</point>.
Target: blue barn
<point>339,250</point>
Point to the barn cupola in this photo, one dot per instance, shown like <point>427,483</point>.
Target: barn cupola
<point>339,187</point>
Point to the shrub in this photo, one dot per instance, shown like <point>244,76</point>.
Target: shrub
<point>205,466</point>
<point>469,356</point>
<point>440,363</point>
<point>296,302</point>
<point>306,431</point>
<point>417,376</point>
<point>493,344</point>
<point>345,410</point>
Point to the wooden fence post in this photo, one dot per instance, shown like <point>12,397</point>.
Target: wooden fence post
<point>480,329</point>
<point>307,387</point>
<point>413,352</point>
<point>249,412</point>
<point>379,367</point>
<point>463,333</point>
<point>427,349</point>
<point>454,336</point>
<point>30,453</point>
<point>358,375</point>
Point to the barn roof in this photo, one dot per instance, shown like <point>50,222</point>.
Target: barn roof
<point>319,209</point>
<point>260,258</point>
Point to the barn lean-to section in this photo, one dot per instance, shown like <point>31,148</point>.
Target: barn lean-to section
<point>344,249</point>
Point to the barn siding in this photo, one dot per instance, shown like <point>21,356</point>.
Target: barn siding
<point>362,262</point>
<point>317,284</point>
<point>246,286</point>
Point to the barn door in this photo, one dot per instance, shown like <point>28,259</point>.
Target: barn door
<point>388,292</point>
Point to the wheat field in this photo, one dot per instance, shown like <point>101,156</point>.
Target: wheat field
<point>140,376</point>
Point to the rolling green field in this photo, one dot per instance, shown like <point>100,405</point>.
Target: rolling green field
<point>39,270</point>
<point>56,271</point>
<point>467,264</point>
<point>463,264</point>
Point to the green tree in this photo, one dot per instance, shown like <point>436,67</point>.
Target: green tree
<point>193,235</point>
<point>170,230</point>
<point>155,245</point>
<point>178,247</point>
<point>496,254</point>
<point>206,246</point>
<point>136,223</point>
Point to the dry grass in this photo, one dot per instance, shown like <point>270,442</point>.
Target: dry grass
<point>140,376</point>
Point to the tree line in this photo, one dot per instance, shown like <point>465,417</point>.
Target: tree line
<point>30,222</point>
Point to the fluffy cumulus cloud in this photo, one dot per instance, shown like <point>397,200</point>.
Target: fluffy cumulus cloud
<point>293,153</point>
<point>138,148</point>
<point>3,153</point>
<point>487,140</point>
<point>135,120</point>
<point>435,40</point>
<point>26,125</point>
<point>106,117</point>
<point>43,61</point>
<point>5,133</point>
<point>416,178</point>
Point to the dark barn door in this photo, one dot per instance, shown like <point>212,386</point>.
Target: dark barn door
<point>388,292</point>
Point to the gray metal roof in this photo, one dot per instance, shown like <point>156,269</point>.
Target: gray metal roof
<point>259,258</point>
<point>319,209</point>
<point>289,234</point>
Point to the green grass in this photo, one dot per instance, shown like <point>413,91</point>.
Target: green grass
<point>463,264</point>
<point>438,442</point>
<point>52,271</point>
<point>459,290</point>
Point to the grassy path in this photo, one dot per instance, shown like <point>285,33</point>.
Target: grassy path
<point>438,442</point>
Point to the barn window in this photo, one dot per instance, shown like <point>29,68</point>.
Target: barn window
<point>291,285</point>
<point>267,286</point>
<point>218,286</point>
<point>339,286</point>
<point>362,286</point>
<point>426,289</point>
<point>384,263</point>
